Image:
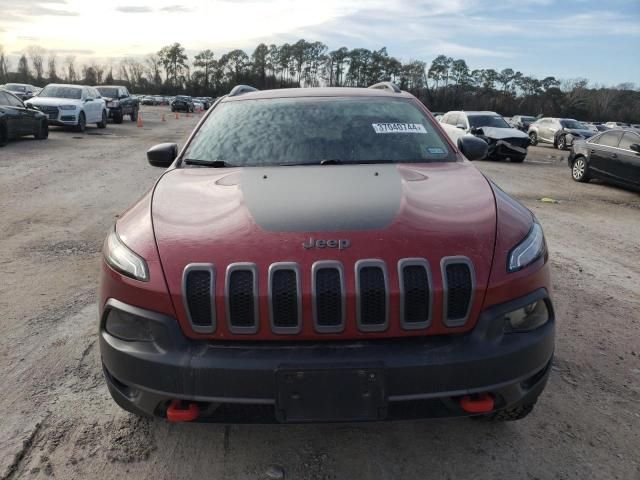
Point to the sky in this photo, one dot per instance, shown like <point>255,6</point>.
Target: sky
<point>594,39</point>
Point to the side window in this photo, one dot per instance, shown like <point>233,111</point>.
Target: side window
<point>609,139</point>
<point>13,101</point>
<point>445,118</point>
<point>95,93</point>
<point>453,119</point>
<point>3,99</point>
<point>125,92</point>
<point>629,139</point>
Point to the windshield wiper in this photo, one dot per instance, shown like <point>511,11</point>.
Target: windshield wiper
<point>206,163</point>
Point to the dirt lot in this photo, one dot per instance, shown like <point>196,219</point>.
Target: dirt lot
<point>57,200</point>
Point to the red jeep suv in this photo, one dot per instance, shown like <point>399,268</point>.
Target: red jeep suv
<point>324,254</point>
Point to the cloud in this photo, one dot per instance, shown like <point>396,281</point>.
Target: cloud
<point>176,9</point>
<point>133,9</point>
<point>53,11</point>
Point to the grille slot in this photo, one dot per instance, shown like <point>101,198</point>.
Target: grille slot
<point>242,297</point>
<point>285,305</point>
<point>328,296</point>
<point>415,293</point>
<point>459,282</point>
<point>372,295</point>
<point>198,287</point>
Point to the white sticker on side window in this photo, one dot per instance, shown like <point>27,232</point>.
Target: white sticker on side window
<point>398,128</point>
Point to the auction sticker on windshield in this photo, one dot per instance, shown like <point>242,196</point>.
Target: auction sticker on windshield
<point>399,128</point>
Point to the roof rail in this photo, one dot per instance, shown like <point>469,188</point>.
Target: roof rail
<point>392,87</point>
<point>241,89</point>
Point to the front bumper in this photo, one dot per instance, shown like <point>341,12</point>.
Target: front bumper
<point>415,377</point>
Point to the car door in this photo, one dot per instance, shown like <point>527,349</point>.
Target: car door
<point>89,106</point>
<point>628,166</point>
<point>28,118</point>
<point>603,153</point>
<point>125,101</point>
<point>14,114</point>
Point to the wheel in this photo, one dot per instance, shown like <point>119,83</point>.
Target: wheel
<point>580,170</point>
<point>103,123</point>
<point>4,137</point>
<point>561,143</point>
<point>173,109</point>
<point>518,159</point>
<point>533,138</point>
<point>42,133</point>
<point>134,115</point>
<point>507,414</point>
<point>82,123</point>
<point>117,118</point>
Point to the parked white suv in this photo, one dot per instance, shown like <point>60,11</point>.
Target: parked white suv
<point>504,141</point>
<point>71,105</point>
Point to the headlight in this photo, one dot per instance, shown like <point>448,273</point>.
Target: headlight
<point>122,259</point>
<point>527,318</point>
<point>528,251</point>
<point>67,107</point>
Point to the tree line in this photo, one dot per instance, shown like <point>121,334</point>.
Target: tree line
<point>444,84</point>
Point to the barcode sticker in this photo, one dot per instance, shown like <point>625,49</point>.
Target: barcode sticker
<point>398,128</point>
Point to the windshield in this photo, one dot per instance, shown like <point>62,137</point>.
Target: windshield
<point>55,91</point>
<point>573,124</point>
<point>108,92</point>
<point>15,88</point>
<point>479,121</point>
<point>294,131</point>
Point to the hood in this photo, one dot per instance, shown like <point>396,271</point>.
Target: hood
<point>500,133</point>
<point>265,215</point>
<point>53,102</point>
<point>582,132</point>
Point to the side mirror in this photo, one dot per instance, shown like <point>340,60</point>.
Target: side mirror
<point>635,147</point>
<point>474,130</point>
<point>461,126</point>
<point>162,155</point>
<point>472,147</point>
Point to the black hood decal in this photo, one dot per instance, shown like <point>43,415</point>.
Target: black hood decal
<point>322,198</point>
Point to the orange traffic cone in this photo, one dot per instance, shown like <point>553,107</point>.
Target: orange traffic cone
<point>163,119</point>
<point>140,124</point>
<point>177,115</point>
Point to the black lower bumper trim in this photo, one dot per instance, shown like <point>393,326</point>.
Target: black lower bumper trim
<point>427,371</point>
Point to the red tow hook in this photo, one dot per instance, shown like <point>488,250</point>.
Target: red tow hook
<point>177,414</point>
<point>481,403</point>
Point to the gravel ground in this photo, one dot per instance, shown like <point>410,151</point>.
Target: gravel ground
<point>58,199</point>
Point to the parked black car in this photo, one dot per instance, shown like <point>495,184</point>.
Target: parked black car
<point>522,122</point>
<point>613,156</point>
<point>17,120</point>
<point>182,103</point>
<point>23,91</point>
<point>119,102</point>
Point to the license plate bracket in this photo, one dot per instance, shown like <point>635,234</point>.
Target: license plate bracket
<point>330,395</point>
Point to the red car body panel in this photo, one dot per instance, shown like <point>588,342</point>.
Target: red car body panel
<point>196,219</point>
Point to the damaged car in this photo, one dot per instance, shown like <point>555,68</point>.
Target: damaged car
<point>559,132</point>
<point>504,141</point>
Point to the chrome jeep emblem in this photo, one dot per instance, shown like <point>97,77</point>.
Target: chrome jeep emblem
<point>340,244</point>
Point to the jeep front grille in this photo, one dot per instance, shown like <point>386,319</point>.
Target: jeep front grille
<point>330,296</point>
<point>327,287</point>
<point>415,293</point>
<point>459,283</point>
<point>285,302</point>
<point>198,283</point>
<point>242,297</point>
<point>372,294</point>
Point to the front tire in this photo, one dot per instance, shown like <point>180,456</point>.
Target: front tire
<point>519,159</point>
<point>533,139</point>
<point>4,136</point>
<point>580,170</point>
<point>82,123</point>
<point>510,414</point>
<point>103,123</point>
<point>561,143</point>
<point>42,133</point>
